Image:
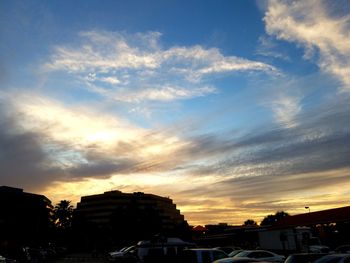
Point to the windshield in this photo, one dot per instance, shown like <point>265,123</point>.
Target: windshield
<point>242,254</point>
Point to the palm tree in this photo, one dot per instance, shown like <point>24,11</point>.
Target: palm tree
<point>63,214</point>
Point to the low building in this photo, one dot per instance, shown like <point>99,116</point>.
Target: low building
<point>24,217</point>
<point>117,216</point>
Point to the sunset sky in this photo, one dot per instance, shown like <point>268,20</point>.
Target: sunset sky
<point>234,109</point>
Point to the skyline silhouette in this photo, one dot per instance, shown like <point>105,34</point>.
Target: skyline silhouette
<point>233,109</point>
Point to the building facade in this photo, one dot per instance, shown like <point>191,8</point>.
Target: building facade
<point>117,216</point>
<point>24,217</point>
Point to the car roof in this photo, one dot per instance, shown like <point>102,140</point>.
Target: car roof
<point>332,256</point>
<point>257,250</point>
<point>204,249</point>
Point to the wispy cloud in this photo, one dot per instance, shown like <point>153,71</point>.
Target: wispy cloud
<point>163,94</point>
<point>131,65</point>
<point>286,109</point>
<point>312,25</point>
<point>268,48</point>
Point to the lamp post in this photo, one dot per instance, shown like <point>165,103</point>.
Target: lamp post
<point>307,207</point>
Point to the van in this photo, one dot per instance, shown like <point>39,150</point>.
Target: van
<point>163,250</point>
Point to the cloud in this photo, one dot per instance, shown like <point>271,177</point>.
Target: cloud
<point>268,47</point>
<point>286,109</point>
<point>65,146</point>
<point>319,142</point>
<point>162,94</point>
<point>23,160</point>
<point>244,197</point>
<point>312,25</point>
<point>135,65</point>
<point>110,80</point>
<point>72,146</point>
<point>77,142</point>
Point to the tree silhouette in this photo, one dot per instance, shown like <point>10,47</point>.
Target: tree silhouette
<point>63,214</point>
<point>272,219</point>
<point>250,222</point>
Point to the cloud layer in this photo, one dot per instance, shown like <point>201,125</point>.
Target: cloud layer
<point>275,141</point>
<point>136,67</point>
<point>311,24</point>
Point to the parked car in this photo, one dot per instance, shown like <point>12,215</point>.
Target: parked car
<point>201,255</point>
<point>237,260</point>
<point>344,249</point>
<point>162,250</point>
<point>6,260</point>
<point>318,249</point>
<point>334,258</point>
<point>125,254</point>
<point>304,257</point>
<point>262,255</point>
<point>235,252</point>
<point>228,249</point>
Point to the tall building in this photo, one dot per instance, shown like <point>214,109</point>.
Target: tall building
<point>24,217</point>
<point>127,216</point>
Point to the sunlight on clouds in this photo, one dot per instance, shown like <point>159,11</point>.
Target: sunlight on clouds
<point>101,136</point>
<point>80,126</point>
<point>86,132</point>
<point>310,24</point>
<point>187,116</point>
<point>160,184</point>
<point>234,201</point>
<point>144,182</point>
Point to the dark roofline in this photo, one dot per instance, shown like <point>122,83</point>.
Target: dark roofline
<point>114,193</point>
<point>334,215</point>
<point>18,191</point>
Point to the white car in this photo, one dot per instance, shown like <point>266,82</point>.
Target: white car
<point>262,255</point>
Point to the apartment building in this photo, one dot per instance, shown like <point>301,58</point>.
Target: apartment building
<point>128,215</point>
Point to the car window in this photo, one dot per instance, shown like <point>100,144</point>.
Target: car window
<point>206,258</point>
<point>254,255</point>
<point>188,256</point>
<point>329,259</point>
<point>219,254</point>
<point>264,254</point>
<point>242,254</point>
<point>235,252</point>
<point>156,252</point>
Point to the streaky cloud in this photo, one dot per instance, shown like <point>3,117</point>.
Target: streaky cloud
<point>133,65</point>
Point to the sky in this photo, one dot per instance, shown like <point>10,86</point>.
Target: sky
<point>233,109</point>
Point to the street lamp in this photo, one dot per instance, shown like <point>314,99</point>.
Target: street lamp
<point>306,207</point>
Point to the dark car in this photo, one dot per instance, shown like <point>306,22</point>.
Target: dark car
<point>344,249</point>
<point>334,258</point>
<point>304,257</point>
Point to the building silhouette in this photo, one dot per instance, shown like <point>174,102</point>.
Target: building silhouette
<point>24,217</point>
<point>117,217</point>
